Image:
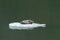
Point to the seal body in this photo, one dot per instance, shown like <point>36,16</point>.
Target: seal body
<point>27,22</point>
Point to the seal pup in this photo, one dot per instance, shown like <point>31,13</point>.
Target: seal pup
<point>27,22</point>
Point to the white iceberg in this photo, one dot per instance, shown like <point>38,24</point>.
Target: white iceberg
<point>17,25</point>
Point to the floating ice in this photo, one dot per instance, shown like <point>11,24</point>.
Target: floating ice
<point>17,25</point>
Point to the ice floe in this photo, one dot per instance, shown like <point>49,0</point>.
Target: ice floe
<point>17,25</point>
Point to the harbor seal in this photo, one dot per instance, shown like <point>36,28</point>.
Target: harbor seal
<point>27,22</point>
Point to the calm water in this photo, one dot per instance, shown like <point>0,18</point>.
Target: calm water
<point>41,11</point>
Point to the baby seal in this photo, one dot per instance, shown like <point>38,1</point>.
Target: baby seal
<point>27,22</point>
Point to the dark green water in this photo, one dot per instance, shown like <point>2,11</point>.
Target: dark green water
<point>41,11</point>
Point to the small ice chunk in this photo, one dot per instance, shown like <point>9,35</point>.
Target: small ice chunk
<point>17,25</point>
